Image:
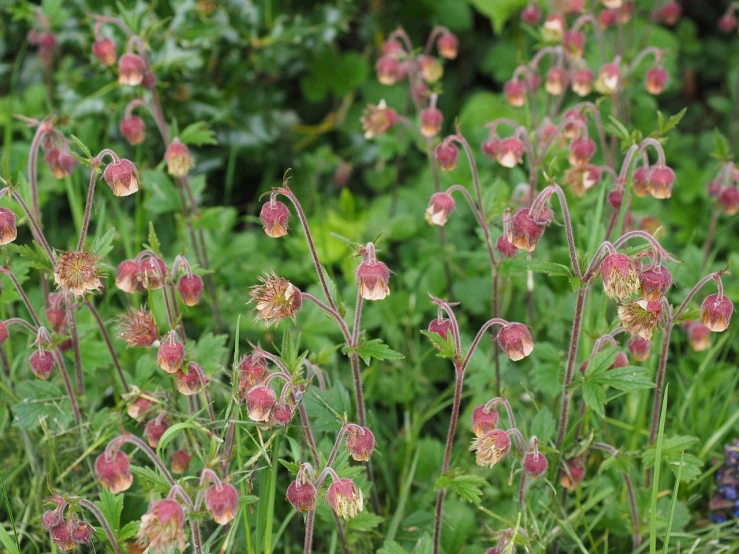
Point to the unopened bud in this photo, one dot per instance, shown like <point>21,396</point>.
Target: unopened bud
<point>60,162</point>
<point>531,14</point>
<point>360,442</point>
<point>654,282</point>
<point>8,229</point>
<point>661,180</point>
<point>505,247</point>
<point>133,129</point>
<point>113,470</point>
<point>639,348</point>
<point>126,277</point>
<point>104,50</point>
<point>155,428</point>
<point>431,119</point>
<point>716,312</point>
<point>178,158</point>
<point>260,401</point>
<point>535,464</point>
<point>728,200</point>
<point>275,216</point>
<point>556,82</point>
<point>191,288</point>
<point>447,155</point>
<point>222,501</point>
<point>252,369</point>
<point>42,363</point>
<point>483,420</point>
<point>122,177</point>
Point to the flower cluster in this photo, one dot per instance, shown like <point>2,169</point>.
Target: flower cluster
<point>66,531</point>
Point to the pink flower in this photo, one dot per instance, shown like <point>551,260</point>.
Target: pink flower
<point>133,129</point>
<point>8,230</point>
<point>60,162</point>
<point>510,152</point>
<point>372,280</point>
<point>122,177</point>
<point>447,45</point>
<point>620,279</point>
<point>574,43</point>
<point>171,355</point>
<point>639,348</point>
<point>535,464</point>
<point>491,447</point>
<point>252,369</point>
<point>581,150</point>
<point>155,428</point>
<point>556,81</point>
<point>483,420</point>
<point>275,216</point>
<point>554,27</point>
<point>431,119</point>
<point>582,82</point>
<point>572,473</point>
<point>178,158</point>
<point>345,498</point>
<point>104,50</point>
<point>260,401</point>
<point>441,205</point>
<point>377,120</point>
<point>302,496</point>
<point>661,180</point>
<point>113,470</point>
<point>716,312</point>
<point>531,14</point>
<point>192,382</point>
<point>656,79</point>
<point>446,155</point>
<point>441,327</point>
<point>609,78</point>
<point>388,70</point>
<point>515,340</point>
<point>728,200</point>
<point>130,69</point>
<point>222,501</point>
<point>525,232</point>
<point>515,92</point>
<point>180,461</point>
<point>654,282</point>
<point>190,288</point>
<point>699,336</point>
<point>505,247</point>
<point>360,442</point>
<point>640,317</point>
<point>163,527</point>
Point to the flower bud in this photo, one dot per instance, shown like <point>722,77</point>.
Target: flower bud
<point>42,363</point>
<point>572,474</point>
<point>60,162</point>
<point>574,43</point>
<point>162,528</point>
<point>252,369</point>
<point>510,152</point>
<point>699,336</point>
<point>483,420</point>
<point>130,69</point>
<point>113,470</point>
<point>535,464</point>
<point>491,447</point>
<point>531,14</point>
<point>728,200</point>
<point>222,501</point>
<point>656,79</point>
<point>640,317</point>
<point>609,78</point>
<point>505,247</point>
<point>345,498</point>
<point>447,44</point>
<point>171,355</point>
<point>155,428</point>
<point>515,92</point>
<point>104,50</point>
<point>392,47</point>
<point>621,360</point>
<point>282,413</point>
<point>51,519</point>
<point>581,150</point>
<point>55,313</point>
<point>654,282</point>
<point>431,69</point>
<point>360,442</point>
<point>661,180</point>
<point>620,279</point>
<point>441,327</point>
<point>260,401</point>
<point>126,277</point>
<point>639,348</point>
<point>516,342</point>
<point>377,120</point>
<point>574,123</point>
<point>388,69</point>
<point>139,408</point>
<point>441,205</point>
<point>554,27</point>
<point>152,271</point>
<point>641,181</point>
<point>122,177</point>
<point>556,81</point>
<point>607,18</point>
<point>525,232</point>
<point>716,312</point>
<point>80,531</point>
<point>490,147</point>
<point>727,23</point>
<point>668,13</point>
<point>431,119</point>
<point>190,287</point>
<point>275,216</point>
<point>8,230</point>
<point>178,158</point>
<point>302,496</point>
<point>61,536</point>
<point>372,280</point>
<point>137,328</point>
<point>192,382</point>
<point>582,82</point>
<point>447,154</point>
<point>180,461</point>
<point>615,199</point>
<point>133,129</point>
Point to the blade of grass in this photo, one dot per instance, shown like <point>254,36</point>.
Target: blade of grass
<point>673,504</point>
<point>655,482</point>
<point>400,510</point>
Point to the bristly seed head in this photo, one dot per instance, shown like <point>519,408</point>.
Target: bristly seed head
<point>276,299</point>
<point>77,272</point>
<point>137,328</point>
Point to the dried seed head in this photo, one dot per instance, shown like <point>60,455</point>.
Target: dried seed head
<point>516,341</point>
<point>510,152</point>
<point>515,92</point>
<point>180,461</point>
<point>535,464</point>
<point>431,120</point>
<point>137,328</point>
<point>582,82</point>
<point>728,200</point>
<point>252,369</point>
<point>505,247</point>
<point>620,279</point>
<point>192,382</point>
<point>302,496</point>
<point>163,527</point>
<point>130,69</point>
<point>525,232</point>
<point>388,69</point>
<point>345,498</point>
<point>556,82</point>
<point>113,470</point>
<point>441,205</point>
<point>171,355</point>
<point>372,280</point>
<point>191,288</point>
<point>639,348</point>
<point>531,14</point>
<point>377,120</point>
<point>178,158</point>
<point>126,277</point>
<point>104,50</point>
<point>661,180</point>
<point>491,447</point>
<point>640,317</point>
<point>654,282</point>
<point>77,272</point>
<point>222,501</point>
<point>448,45</point>
<point>716,312</point>
<point>447,155</point>
<point>276,299</point>
<point>133,129</point>
<point>155,428</point>
<point>260,401</point>
<point>122,177</point>
<point>572,474</point>
<point>8,230</point>
<point>699,336</point>
<point>275,217</point>
<point>483,420</point>
<point>360,442</point>
<point>581,150</point>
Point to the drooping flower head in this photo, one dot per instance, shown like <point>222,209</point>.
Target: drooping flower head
<point>524,232</point>
<point>222,501</point>
<point>60,161</point>
<point>122,177</point>
<point>302,495</point>
<point>639,348</point>
<point>441,327</point>
<point>609,78</point>
<point>515,340</point>
<point>430,68</point>
<point>505,247</point>
<point>282,413</point>
<point>484,420</point>
<point>345,498</point>
<point>163,527</point>
<point>104,50</point>
<point>440,207</point>
<point>431,120</point>
<point>654,282</point>
<point>126,277</point>
<point>360,442</point>
<point>716,312</point>
<point>77,272</point>
<point>155,428</point>
<point>180,461</point>
<point>640,317</point>
<point>620,279</point>
<point>152,272</point>
<point>388,69</point>
<point>8,230</point>
<point>509,152</point>
<point>515,92</point>
<point>728,200</point>
<point>699,336</point>
<point>113,470</point>
<point>447,155</point>
<point>137,328</point>
<point>574,42</point>
<point>252,369</point>
<point>378,119</point>
<point>556,82</point>
<point>491,447</point>
<point>655,80</point>
<point>660,181</point>
<point>130,69</point>
<point>178,158</point>
<point>171,354</point>
<point>372,276</point>
<point>582,81</point>
<point>140,407</point>
<point>190,288</point>
<point>260,401</point>
<point>531,14</point>
<point>133,129</point>
<point>275,216</point>
<point>192,382</point>
<point>276,299</point>
<point>572,473</point>
<point>535,464</point>
<point>447,44</point>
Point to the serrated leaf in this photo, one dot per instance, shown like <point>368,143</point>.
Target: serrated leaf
<point>81,146</point>
<point>615,127</point>
<point>601,362</point>
<point>445,346</point>
<point>672,121</point>
<point>102,245</point>
<point>543,425</point>
<point>392,547</point>
<point>675,456</point>
<point>154,244</point>
<point>626,379</point>
<point>112,506</point>
<point>210,351</point>
<point>36,255</point>
<point>374,348</point>
<point>197,134</point>
<point>721,147</point>
<point>619,463</point>
<point>348,242</point>
<point>365,521</point>
<point>466,486</point>
<point>550,268</point>
<point>128,530</point>
<point>594,397</point>
<point>151,478</point>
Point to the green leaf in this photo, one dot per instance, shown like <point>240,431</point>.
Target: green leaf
<point>550,268</point>
<point>210,351</point>
<point>104,244</point>
<point>392,547</point>
<point>466,486</point>
<point>197,134</point>
<point>620,462</point>
<point>721,147</point>
<point>594,397</point>
<point>35,255</point>
<point>444,345</point>
<point>128,530</point>
<point>374,348</point>
<point>499,11</point>
<point>154,244</point>
<point>349,242</point>
<point>675,456</point>
<point>671,122</point>
<point>81,146</point>
<point>9,544</point>
<point>112,506</point>
<point>615,127</point>
<point>626,379</point>
<point>601,362</point>
<point>543,425</point>
<point>365,521</point>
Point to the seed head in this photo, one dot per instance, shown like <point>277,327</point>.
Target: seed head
<point>113,470</point>
<point>372,280</point>
<point>516,341</point>
<point>483,420</point>
<point>163,528</point>
<point>222,501</point>
<point>77,272</point>
<point>448,45</point>
<point>8,230</point>
<point>441,205</point>
<point>104,50</point>
<point>360,442</point>
<point>716,312</point>
<point>640,317</point>
<point>260,401</point>
<point>491,447</point>
<point>345,498</point>
<point>133,129</point>
<point>302,496</point>
<point>377,120</point>
<point>137,328</point>
<point>190,287</point>
<point>122,177</point>
<point>155,428</point>
<point>275,217</point>
<point>276,299</point>
<point>130,69</point>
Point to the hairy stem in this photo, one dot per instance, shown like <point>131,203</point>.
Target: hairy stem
<point>569,370</point>
<point>88,210</point>
<point>103,523</point>
<point>74,336</point>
